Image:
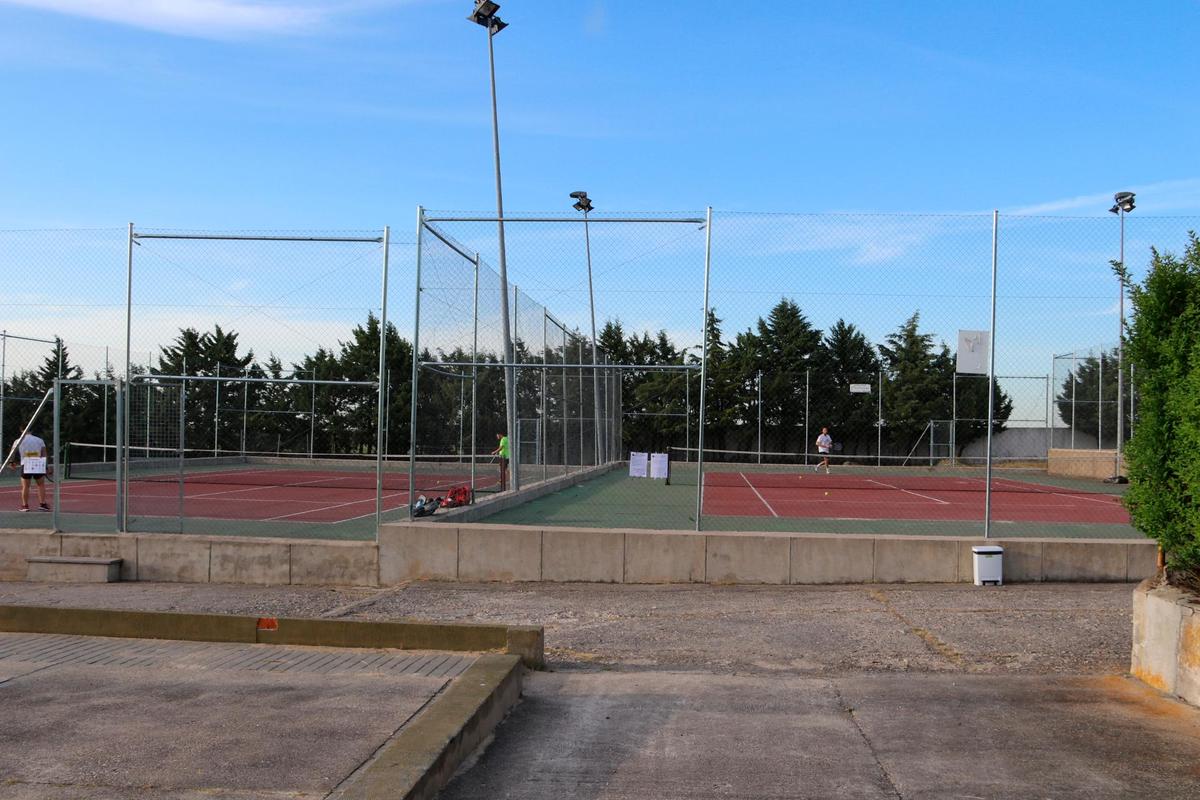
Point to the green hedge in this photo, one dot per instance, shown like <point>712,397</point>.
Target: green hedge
<point>1163,457</point>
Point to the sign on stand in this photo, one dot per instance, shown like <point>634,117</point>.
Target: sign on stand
<point>638,464</point>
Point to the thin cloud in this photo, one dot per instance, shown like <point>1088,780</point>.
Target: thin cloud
<point>202,18</point>
<point>1153,198</point>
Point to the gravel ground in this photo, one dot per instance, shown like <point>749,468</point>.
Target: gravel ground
<point>805,630</point>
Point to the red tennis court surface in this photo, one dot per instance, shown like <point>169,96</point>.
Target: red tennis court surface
<point>258,495</point>
<point>763,494</point>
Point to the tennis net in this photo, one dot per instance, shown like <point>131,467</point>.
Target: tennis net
<point>96,462</point>
<point>727,468</point>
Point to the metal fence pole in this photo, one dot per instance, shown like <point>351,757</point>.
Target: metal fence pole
<point>987,501</point>
<point>703,370</point>
<point>119,462</point>
<point>381,376</point>
<point>759,381</point>
<point>128,355</point>
<point>514,442</point>
<point>879,423</point>
<point>807,376</point>
<point>416,350</point>
<point>245,406</point>
<point>954,419</point>
<point>217,413</point>
<point>1074,418</point>
<point>1100,403</point>
<point>474,373</point>
<point>545,369</point>
<point>3,378</point>
<point>57,449</point>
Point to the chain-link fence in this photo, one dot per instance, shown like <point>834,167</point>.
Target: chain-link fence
<point>597,346</point>
<point>855,325</point>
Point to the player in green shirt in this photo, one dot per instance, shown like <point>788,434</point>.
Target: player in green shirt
<point>502,451</point>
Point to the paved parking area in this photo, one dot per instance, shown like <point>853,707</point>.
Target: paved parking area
<point>883,691</point>
<point>90,717</point>
<point>674,735</point>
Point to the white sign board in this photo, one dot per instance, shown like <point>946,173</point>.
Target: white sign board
<point>33,466</point>
<point>860,388</point>
<point>972,353</point>
<point>638,464</point>
<point>659,467</point>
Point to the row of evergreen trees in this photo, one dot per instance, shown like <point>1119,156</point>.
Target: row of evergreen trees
<point>795,368</point>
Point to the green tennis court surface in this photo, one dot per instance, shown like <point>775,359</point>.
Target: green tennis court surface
<point>617,501</point>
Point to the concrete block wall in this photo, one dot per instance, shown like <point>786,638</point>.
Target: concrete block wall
<point>1083,463</point>
<point>482,552</point>
<point>202,559</point>
<point>1166,640</point>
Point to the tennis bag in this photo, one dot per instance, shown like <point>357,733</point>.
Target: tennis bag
<point>458,496</point>
<point>424,507</point>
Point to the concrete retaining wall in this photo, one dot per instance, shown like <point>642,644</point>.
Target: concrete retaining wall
<point>1166,640</point>
<point>1083,463</point>
<point>202,559</point>
<point>482,552</point>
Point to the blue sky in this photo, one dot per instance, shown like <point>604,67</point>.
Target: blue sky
<point>346,114</point>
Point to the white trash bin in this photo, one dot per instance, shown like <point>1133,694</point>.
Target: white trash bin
<point>989,564</point>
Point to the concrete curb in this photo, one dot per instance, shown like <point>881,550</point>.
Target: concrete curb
<point>421,759</point>
<point>525,642</point>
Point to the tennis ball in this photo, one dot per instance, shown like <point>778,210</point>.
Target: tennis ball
<point>827,494</point>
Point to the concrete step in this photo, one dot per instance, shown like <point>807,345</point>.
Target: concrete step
<point>72,569</point>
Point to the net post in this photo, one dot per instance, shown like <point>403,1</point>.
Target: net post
<point>217,414</point>
<point>703,369</point>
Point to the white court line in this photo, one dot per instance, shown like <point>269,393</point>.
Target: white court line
<point>906,491</point>
<point>760,497</point>
<point>328,508</point>
<point>1028,487</point>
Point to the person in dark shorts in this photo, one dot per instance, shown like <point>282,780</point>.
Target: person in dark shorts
<point>502,451</point>
<point>31,459</point>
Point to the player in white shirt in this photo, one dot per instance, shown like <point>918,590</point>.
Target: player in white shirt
<point>31,456</point>
<point>824,445</point>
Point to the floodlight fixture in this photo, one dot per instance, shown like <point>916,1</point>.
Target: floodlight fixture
<point>485,15</point>
<point>582,201</point>
<point>1124,201</point>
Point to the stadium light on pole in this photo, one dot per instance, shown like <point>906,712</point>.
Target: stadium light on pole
<point>1122,205</point>
<point>485,15</point>
<point>584,203</point>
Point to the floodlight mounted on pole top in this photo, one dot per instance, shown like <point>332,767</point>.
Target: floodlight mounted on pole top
<point>1122,205</point>
<point>584,203</point>
<point>485,15</point>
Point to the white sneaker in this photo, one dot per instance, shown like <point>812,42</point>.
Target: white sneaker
<point>827,470</point>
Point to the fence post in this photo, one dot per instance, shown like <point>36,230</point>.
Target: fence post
<point>987,502</point>
<point>703,370</point>
<point>119,464</point>
<point>57,448</point>
<point>760,416</point>
<point>879,422</point>
<point>416,351</point>
<point>807,384</point>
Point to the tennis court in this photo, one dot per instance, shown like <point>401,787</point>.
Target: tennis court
<point>922,501</point>
<point>885,495</point>
<point>252,494</point>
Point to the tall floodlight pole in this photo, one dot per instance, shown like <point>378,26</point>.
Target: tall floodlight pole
<point>485,15</point>
<point>583,203</point>
<point>1123,205</point>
